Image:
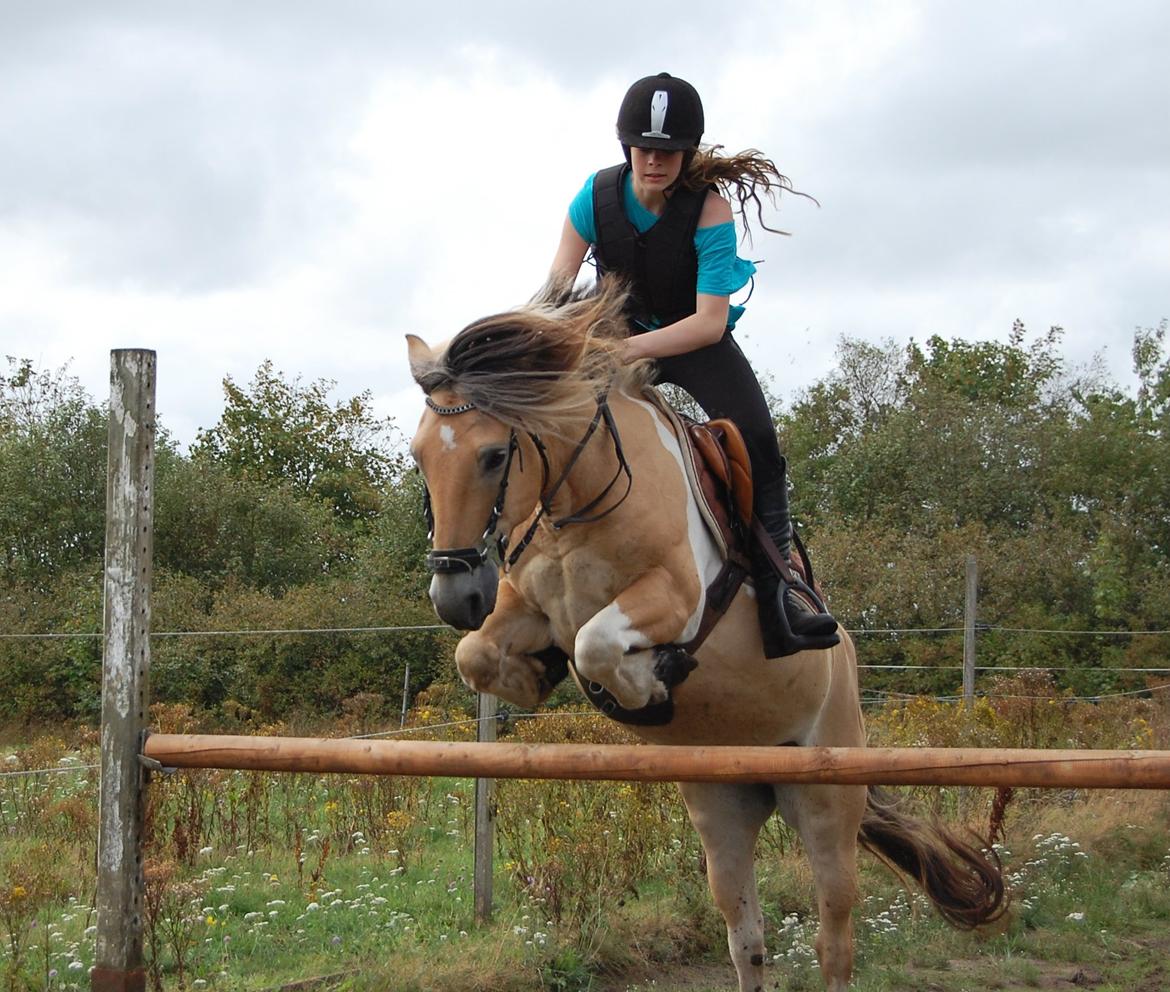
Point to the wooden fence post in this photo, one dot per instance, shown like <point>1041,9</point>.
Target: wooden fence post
<point>485,815</point>
<point>125,672</point>
<point>969,631</point>
<point>405,694</point>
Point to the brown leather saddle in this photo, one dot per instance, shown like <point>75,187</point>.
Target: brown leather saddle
<point>720,475</point>
<point>723,473</point>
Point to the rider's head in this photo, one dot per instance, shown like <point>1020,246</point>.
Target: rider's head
<point>663,112</point>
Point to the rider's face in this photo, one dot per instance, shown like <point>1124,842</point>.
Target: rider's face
<point>655,168</point>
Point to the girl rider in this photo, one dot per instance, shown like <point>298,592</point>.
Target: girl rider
<point>660,221</point>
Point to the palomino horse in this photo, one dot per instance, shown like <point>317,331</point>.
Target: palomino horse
<point>609,564</point>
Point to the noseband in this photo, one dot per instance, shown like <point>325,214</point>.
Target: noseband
<point>457,559</point>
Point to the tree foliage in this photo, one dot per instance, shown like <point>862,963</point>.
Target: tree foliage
<point>276,430</point>
<point>290,513</point>
<point>53,483</point>
<point>905,460</point>
<point>293,512</point>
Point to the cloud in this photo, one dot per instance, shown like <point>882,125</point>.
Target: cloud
<point>303,182</point>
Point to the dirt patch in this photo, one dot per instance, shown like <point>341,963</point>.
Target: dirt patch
<point>1029,974</point>
<point>698,977</point>
<point>1026,975</point>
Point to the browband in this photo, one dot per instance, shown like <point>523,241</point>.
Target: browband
<point>449,411</point>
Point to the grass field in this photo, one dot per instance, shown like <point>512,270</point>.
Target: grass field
<point>260,881</point>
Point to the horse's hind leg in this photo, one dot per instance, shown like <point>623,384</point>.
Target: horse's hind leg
<point>728,819</point>
<point>828,817</point>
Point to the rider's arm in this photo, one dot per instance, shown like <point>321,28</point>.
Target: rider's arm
<point>705,326</point>
<point>570,253</point>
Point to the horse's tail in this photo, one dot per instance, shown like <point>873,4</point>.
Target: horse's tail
<point>965,884</point>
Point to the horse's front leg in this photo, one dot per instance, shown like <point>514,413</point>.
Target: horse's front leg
<point>500,657</point>
<point>728,818</point>
<point>614,648</point>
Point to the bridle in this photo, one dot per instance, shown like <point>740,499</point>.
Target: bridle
<point>457,559</point>
<point>447,560</point>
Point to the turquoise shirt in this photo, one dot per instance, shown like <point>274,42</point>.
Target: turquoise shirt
<point>721,271</point>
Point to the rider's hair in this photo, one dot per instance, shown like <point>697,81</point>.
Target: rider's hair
<point>744,176</point>
<point>541,367</point>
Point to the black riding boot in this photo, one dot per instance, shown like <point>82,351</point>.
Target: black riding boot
<point>792,616</point>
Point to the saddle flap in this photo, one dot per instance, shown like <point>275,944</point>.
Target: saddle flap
<point>724,453</point>
<point>740,463</point>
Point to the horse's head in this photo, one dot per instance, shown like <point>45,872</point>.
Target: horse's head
<point>480,484</point>
<point>492,392</point>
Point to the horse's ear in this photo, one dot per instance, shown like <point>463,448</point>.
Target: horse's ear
<point>422,359</point>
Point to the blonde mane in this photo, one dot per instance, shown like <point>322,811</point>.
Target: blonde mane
<point>542,366</point>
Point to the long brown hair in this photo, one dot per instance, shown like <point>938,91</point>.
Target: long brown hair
<point>743,176</point>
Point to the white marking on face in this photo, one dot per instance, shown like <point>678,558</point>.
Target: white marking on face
<point>708,561</point>
<point>447,436</point>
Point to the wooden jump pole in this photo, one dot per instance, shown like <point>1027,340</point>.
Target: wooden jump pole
<point>118,963</point>
<point>658,763</point>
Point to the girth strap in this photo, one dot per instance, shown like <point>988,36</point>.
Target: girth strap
<point>720,594</point>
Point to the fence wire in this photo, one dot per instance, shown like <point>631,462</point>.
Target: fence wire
<point>872,697</point>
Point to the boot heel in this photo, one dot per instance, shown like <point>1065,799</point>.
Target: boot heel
<point>804,641</point>
<point>779,639</point>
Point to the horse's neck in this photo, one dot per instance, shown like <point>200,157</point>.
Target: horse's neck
<point>644,443</point>
<point>588,469</point>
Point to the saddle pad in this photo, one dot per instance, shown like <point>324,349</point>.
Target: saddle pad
<point>711,491</point>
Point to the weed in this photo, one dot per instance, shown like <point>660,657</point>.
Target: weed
<point>256,879</point>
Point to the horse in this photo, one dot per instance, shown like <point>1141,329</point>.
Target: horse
<point>565,534</point>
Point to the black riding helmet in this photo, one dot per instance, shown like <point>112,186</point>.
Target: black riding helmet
<point>661,112</point>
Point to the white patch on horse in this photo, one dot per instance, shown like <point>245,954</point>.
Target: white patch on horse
<point>604,653</point>
<point>447,436</point>
<point>708,561</point>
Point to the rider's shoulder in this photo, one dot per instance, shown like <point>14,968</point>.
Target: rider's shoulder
<point>716,210</point>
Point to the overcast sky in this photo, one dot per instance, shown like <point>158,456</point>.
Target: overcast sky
<point>230,182</point>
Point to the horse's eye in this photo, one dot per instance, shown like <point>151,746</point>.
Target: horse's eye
<point>493,460</point>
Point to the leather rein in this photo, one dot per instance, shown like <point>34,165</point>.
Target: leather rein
<point>457,559</point>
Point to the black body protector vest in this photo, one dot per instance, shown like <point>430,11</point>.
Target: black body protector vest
<point>661,264</point>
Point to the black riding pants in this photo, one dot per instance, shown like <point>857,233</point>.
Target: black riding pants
<point>724,385</point>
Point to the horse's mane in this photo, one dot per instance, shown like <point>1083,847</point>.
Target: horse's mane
<point>542,366</point>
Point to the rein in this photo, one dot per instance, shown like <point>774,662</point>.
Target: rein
<point>456,559</point>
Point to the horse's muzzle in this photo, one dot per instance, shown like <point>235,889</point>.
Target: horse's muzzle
<point>464,599</point>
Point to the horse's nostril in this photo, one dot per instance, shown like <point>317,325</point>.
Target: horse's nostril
<point>475,601</point>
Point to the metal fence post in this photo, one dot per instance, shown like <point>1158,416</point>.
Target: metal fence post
<point>125,672</point>
<point>485,815</point>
